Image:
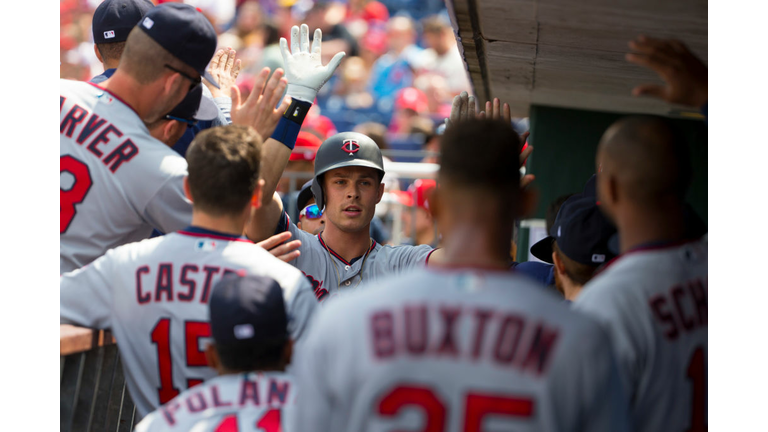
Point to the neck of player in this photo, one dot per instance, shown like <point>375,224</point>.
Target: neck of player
<point>349,245</point>
<point>642,225</point>
<point>227,224</point>
<point>477,245</point>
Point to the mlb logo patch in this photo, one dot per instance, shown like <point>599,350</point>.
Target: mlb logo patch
<point>205,245</point>
<point>109,34</point>
<point>598,258</point>
<point>148,23</point>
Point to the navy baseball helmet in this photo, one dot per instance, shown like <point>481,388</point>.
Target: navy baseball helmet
<point>343,150</point>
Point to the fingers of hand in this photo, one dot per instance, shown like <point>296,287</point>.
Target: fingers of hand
<point>334,63</point>
<point>275,240</point>
<point>284,50</point>
<point>464,104</point>
<point>236,69</point>
<point>507,113</point>
<point>295,49</point>
<point>317,41</point>
<point>524,155</point>
<point>230,61</point>
<point>496,108</point>
<point>285,248</point>
<point>289,257</point>
<point>304,38</point>
<point>456,108</point>
<point>472,109</point>
<point>258,86</point>
<point>526,180</point>
<point>234,92</point>
<point>215,60</point>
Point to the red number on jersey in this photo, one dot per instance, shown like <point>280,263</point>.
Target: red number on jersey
<point>698,377</point>
<point>476,407</point>
<point>161,336</point>
<point>69,198</point>
<point>269,422</point>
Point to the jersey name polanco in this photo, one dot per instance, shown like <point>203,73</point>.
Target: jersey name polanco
<point>456,350</point>
<point>154,296</point>
<point>258,402</point>
<point>330,274</point>
<point>117,182</point>
<point>654,303</point>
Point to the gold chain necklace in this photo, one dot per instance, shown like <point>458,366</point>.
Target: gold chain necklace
<point>336,269</point>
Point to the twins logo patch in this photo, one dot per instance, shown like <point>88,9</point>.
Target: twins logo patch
<point>350,146</point>
<point>109,34</point>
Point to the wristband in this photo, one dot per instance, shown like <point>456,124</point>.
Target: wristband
<point>288,127</point>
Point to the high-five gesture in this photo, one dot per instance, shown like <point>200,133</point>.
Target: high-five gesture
<point>224,69</point>
<point>304,69</point>
<point>259,109</point>
<point>683,73</point>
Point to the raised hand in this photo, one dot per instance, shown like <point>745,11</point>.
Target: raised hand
<point>683,73</point>
<point>259,109</point>
<point>224,69</point>
<point>464,107</point>
<point>284,252</point>
<point>304,69</point>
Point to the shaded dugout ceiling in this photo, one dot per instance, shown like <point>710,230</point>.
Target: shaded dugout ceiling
<point>570,53</point>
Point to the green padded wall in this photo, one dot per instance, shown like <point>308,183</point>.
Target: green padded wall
<point>565,141</point>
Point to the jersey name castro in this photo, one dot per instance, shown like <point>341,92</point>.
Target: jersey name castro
<point>117,182</point>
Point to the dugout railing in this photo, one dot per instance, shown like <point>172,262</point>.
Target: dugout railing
<point>93,395</point>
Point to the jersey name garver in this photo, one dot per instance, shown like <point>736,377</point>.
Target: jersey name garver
<point>96,133</point>
<point>189,282</point>
<point>500,337</point>
<point>210,397</point>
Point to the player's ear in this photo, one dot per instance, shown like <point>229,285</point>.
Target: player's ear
<point>187,191</point>
<point>381,192</point>
<point>169,131</point>
<point>98,54</point>
<point>212,357</point>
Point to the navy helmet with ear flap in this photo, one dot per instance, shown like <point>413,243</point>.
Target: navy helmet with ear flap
<point>343,150</point>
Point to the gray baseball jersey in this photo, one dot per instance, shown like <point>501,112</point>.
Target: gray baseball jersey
<point>329,273</point>
<point>456,350</point>
<point>258,402</point>
<point>154,296</point>
<point>117,182</point>
<point>653,301</point>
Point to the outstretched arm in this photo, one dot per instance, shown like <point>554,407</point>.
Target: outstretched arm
<point>684,75</point>
<point>305,76</point>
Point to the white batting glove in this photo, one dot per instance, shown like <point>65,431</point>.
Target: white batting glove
<point>303,68</point>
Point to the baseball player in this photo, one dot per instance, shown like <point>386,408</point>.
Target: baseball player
<point>577,244</point>
<point>251,348</point>
<point>117,182</point>
<point>466,345</point>
<point>112,21</point>
<point>653,297</point>
<point>153,294</point>
<point>192,109</point>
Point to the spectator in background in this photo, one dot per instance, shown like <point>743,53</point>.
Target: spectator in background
<point>328,17</point>
<point>410,105</point>
<point>112,21</point>
<point>444,54</point>
<point>378,133</point>
<point>394,70</point>
<point>439,96</point>
<point>577,244</point>
<point>245,32</point>
<point>418,223</point>
<point>350,90</point>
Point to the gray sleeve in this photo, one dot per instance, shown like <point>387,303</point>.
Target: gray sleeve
<point>301,309</point>
<point>85,295</point>
<point>305,250</point>
<point>406,257</point>
<point>225,106</point>
<point>604,306</point>
<point>169,210</point>
<point>311,367</point>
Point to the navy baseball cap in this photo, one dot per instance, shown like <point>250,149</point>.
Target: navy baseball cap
<point>184,32</point>
<point>581,231</point>
<point>247,310</point>
<point>196,106</point>
<point>114,19</point>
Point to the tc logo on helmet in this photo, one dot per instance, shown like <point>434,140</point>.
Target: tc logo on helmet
<point>350,146</point>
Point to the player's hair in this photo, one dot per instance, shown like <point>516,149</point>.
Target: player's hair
<point>579,273</point>
<point>256,357</point>
<point>553,208</point>
<point>111,51</point>
<point>144,59</point>
<point>483,154</point>
<point>224,168</point>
